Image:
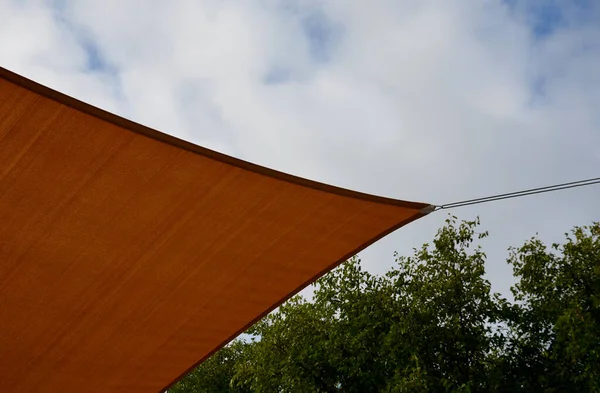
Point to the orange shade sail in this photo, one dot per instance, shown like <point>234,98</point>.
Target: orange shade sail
<point>128,256</point>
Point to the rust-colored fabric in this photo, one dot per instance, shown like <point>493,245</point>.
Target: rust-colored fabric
<point>128,256</point>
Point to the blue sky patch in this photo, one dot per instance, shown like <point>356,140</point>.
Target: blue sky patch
<point>95,60</point>
<point>547,16</point>
<point>321,33</point>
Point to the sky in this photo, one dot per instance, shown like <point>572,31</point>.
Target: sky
<point>430,101</point>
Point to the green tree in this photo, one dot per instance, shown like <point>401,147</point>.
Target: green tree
<point>447,312</point>
<point>556,328</point>
<point>215,374</point>
<point>334,342</point>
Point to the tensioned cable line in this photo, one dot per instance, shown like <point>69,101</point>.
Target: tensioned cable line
<point>517,194</point>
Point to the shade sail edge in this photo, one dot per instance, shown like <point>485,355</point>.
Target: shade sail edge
<point>138,128</point>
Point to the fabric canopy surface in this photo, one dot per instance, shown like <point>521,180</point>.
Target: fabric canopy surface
<point>127,256</point>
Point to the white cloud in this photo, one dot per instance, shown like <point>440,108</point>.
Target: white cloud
<point>431,100</point>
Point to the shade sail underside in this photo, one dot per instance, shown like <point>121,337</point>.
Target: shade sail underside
<point>128,256</point>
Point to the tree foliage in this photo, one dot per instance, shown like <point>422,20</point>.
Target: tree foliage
<point>431,324</point>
